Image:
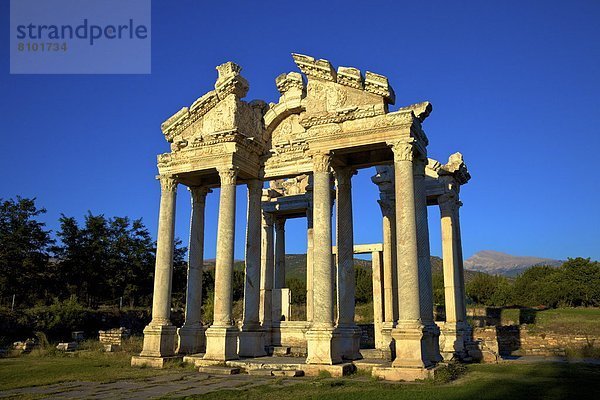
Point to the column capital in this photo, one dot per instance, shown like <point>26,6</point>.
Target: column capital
<point>321,162</point>
<point>309,218</point>
<point>419,163</point>
<point>343,175</point>
<point>228,175</point>
<point>449,202</point>
<point>199,193</point>
<point>280,224</point>
<point>388,208</point>
<point>168,183</point>
<point>403,150</point>
<point>255,186</point>
<point>268,218</point>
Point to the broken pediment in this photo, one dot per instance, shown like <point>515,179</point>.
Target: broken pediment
<point>336,96</point>
<point>326,96</point>
<point>218,111</point>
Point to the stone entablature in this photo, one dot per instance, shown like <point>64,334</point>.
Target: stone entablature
<point>275,141</point>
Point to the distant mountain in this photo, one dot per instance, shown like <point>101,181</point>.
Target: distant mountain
<point>497,263</point>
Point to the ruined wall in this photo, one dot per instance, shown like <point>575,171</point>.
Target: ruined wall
<point>518,340</point>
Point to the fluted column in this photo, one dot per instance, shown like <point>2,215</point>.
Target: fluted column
<point>279,253</point>
<point>425,280</point>
<point>320,337</point>
<point>409,331</point>
<point>191,334</point>
<point>454,328</point>
<point>309,264</point>
<point>221,337</point>
<point>346,289</point>
<point>266,271</point>
<point>251,343</point>
<point>159,335</point>
<point>389,259</point>
<point>378,307</point>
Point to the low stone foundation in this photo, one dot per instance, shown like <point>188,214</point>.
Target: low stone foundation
<point>402,374</point>
<point>154,362</point>
<point>519,341</point>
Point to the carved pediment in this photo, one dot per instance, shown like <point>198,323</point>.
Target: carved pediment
<point>343,95</point>
<point>220,110</point>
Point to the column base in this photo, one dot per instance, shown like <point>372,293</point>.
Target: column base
<point>348,343</point>
<point>159,341</point>
<point>387,341</point>
<point>266,328</point>
<point>251,342</point>
<point>221,343</point>
<point>191,339</point>
<point>453,339</point>
<point>412,342</point>
<point>433,342</point>
<point>322,347</point>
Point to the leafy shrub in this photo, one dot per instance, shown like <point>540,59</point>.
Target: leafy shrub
<point>449,372</point>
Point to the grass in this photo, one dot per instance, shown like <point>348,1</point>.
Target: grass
<point>517,381</point>
<point>49,366</point>
<point>503,381</point>
<point>581,321</point>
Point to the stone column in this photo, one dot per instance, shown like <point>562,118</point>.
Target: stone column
<point>321,337</point>
<point>454,329</point>
<point>390,301</point>
<point>349,332</point>
<point>309,264</point>
<point>279,253</point>
<point>221,337</point>
<point>160,334</point>
<point>409,333</point>
<point>251,343</point>
<point>191,334</point>
<point>425,280</point>
<point>378,306</point>
<point>267,266</point>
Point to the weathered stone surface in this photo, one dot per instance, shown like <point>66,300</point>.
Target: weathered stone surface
<point>67,346</point>
<point>218,370</point>
<point>114,336</point>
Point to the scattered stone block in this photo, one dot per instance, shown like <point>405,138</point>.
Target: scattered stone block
<point>260,372</point>
<point>402,374</point>
<point>114,336</point>
<point>219,370</point>
<point>25,346</point>
<point>281,351</point>
<point>293,373</point>
<point>68,346</point>
<point>111,348</point>
<point>153,362</point>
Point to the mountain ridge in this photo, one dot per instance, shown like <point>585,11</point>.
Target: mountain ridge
<point>499,263</point>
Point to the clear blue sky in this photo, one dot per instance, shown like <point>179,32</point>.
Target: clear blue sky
<point>515,87</point>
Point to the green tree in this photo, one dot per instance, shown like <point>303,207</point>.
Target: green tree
<point>439,296</point>
<point>298,289</point>
<point>364,284</point>
<point>24,243</point>
<point>580,282</point>
<point>488,289</point>
<point>107,259</point>
<point>536,286</point>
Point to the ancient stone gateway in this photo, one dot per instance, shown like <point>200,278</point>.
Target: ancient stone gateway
<point>320,132</point>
